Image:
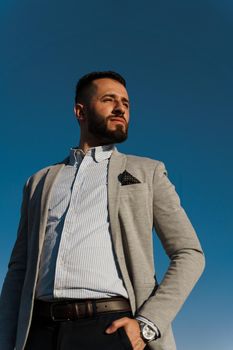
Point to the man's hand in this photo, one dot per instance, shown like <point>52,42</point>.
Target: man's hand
<point>132,330</point>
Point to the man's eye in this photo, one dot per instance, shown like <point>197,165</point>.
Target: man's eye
<point>126,104</point>
<point>107,99</point>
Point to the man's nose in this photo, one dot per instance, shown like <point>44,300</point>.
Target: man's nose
<point>119,108</point>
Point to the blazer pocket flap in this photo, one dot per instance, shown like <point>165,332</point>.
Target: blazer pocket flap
<point>139,187</point>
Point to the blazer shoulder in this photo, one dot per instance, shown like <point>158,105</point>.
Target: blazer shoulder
<point>38,175</point>
<point>143,161</point>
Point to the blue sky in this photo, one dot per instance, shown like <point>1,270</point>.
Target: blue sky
<point>177,59</point>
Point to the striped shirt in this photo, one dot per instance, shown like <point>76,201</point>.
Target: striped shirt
<point>77,259</point>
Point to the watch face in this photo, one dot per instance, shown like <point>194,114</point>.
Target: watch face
<point>148,333</point>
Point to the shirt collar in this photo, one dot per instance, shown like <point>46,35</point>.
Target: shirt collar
<point>98,153</point>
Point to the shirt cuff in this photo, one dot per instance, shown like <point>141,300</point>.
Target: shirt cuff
<point>149,323</point>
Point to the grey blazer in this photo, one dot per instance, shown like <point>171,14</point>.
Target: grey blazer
<point>134,209</point>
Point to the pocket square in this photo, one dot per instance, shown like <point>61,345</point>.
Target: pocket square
<point>126,178</point>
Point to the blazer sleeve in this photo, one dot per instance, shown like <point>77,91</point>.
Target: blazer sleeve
<point>181,244</point>
<point>13,283</point>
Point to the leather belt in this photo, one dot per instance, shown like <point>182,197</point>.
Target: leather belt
<point>69,310</point>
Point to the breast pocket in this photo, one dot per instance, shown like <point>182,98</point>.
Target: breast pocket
<point>134,190</point>
<point>135,204</point>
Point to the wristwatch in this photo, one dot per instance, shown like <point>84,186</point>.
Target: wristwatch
<point>147,333</point>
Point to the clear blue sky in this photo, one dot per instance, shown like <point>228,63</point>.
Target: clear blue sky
<point>177,59</point>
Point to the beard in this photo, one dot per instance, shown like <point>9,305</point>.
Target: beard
<point>98,127</point>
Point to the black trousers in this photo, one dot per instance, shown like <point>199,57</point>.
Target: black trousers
<point>82,334</point>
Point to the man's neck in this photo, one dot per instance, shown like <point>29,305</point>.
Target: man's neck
<point>85,145</point>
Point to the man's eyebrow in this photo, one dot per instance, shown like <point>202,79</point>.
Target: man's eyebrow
<point>113,95</point>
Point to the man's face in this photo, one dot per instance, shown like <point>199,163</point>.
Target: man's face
<point>108,111</point>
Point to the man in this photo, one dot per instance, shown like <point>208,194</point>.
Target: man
<point>81,275</point>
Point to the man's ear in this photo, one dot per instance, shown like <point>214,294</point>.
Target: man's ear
<point>79,112</point>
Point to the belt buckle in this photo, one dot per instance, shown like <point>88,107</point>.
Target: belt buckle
<point>54,318</point>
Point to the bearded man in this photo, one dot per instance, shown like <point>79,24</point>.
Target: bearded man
<point>81,275</point>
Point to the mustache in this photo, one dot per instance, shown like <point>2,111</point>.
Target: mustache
<point>118,116</point>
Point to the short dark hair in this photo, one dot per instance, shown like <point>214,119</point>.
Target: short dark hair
<point>85,82</point>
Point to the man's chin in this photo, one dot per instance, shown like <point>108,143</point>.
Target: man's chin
<point>114,137</point>
<point>106,136</point>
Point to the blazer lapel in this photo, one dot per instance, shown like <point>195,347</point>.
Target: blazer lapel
<point>116,166</point>
<point>49,181</point>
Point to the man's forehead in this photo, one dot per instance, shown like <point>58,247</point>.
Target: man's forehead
<point>108,85</point>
